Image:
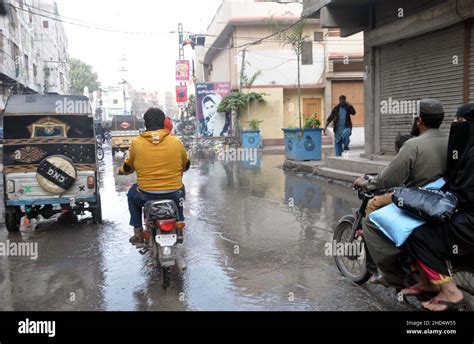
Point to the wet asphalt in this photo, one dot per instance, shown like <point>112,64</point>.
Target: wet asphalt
<point>246,249</point>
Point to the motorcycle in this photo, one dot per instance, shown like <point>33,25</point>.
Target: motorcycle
<point>100,151</point>
<point>162,235</point>
<point>360,267</point>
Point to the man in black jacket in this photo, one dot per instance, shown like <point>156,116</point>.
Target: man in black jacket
<point>341,117</point>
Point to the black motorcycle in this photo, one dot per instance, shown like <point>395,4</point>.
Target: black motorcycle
<point>162,235</point>
<point>357,267</point>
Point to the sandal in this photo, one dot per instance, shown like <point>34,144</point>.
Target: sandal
<point>450,306</point>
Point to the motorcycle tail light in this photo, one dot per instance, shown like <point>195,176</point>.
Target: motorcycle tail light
<point>166,225</point>
<point>180,225</point>
<point>90,182</point>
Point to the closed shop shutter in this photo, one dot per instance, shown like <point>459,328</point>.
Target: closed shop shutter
<point>471,66</point>
<point>426,66</point>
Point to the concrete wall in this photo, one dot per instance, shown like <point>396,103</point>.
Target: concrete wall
<point>223,68</point>
<point>270,112</point>
<point>277,62</point>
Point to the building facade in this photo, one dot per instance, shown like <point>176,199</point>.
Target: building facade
<point>33,49</point>
<point>413,49</point>
<point>331,65</point>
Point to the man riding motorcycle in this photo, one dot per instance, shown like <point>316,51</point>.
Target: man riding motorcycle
<point>421,160</point>
<point>159,159</point>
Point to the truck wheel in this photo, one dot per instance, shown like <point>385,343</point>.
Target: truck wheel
<point>13,220</point>
<point>97,212</point>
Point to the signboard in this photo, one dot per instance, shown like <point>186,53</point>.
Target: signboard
<point>182,71</point>
<point>181,94</point>
<point>208,98</point>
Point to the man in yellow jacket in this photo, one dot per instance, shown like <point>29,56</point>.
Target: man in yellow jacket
<point>159,159</point>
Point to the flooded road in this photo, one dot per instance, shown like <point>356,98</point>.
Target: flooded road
<point>255,241</point>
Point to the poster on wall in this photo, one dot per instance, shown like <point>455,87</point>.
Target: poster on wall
<point>208,98</point>
<point>181,94</point>
<point>182,71</point>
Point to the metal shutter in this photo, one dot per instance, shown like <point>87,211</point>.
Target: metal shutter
<point>471,67</point>
<point>421,67</point>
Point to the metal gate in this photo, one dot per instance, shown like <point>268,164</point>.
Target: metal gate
<point>426,66</point>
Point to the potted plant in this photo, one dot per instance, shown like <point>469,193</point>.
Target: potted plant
<point>305,142</point>
<point>250,138</point>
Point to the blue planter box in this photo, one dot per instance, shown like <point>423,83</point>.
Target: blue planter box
<point>250,139</point>
<point>303,144</point>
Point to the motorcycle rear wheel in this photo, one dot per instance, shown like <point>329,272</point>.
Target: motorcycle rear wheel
<point>166,277</point>
<point>352,268</point>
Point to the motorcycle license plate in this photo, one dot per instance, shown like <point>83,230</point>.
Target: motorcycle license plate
<point>166,240</point>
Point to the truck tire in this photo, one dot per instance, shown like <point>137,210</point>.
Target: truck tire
<point>56,174</point>
<point>97,211</point>
<point>13,220</point>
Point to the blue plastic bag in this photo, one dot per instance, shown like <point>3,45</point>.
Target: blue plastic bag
<point>397,224</point>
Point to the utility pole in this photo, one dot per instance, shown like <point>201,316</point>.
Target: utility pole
<point>181,58</point>
<point>124,83</point>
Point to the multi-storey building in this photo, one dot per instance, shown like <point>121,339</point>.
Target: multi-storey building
<point>33,49</point>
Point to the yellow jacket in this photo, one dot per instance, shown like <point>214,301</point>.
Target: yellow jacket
<point>159,159</point>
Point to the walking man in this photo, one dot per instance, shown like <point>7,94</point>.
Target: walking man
<point>341,117</point>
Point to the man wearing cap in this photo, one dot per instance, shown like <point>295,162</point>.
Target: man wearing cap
<point>422,160</point>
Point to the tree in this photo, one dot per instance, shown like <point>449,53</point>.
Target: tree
<point>82,75</point>
<point>295,37</point>
<point>191,107</point>
<point>236,101</point>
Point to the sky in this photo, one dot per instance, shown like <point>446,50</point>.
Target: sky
<point>150,58</point>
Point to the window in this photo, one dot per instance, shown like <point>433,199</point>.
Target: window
<point>46,24</point>
<point>15,51</point>
<point>27,66</point>
<point>307,53</point>
<point>319,36</point>
<point>35,70</point>
<point>115,101</point>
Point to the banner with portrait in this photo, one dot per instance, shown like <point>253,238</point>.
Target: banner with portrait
<point>208,98</point>
<point>183,71</point>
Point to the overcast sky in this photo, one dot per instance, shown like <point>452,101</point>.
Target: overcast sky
<point>151,58</point>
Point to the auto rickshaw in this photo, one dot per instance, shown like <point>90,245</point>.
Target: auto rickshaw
<point>49,158</point>
<point>124,130</point>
